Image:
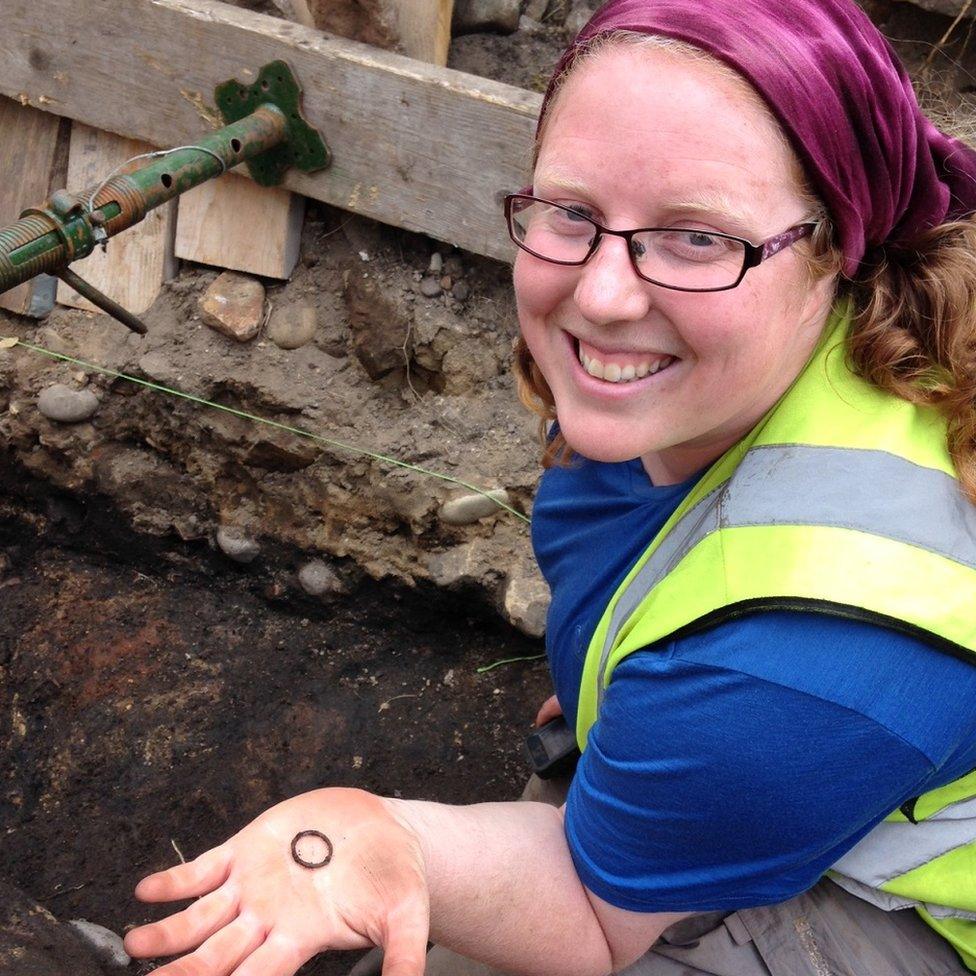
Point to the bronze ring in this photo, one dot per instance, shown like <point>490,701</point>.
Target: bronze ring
<point>298,859</point>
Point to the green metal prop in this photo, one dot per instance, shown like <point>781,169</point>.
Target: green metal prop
<point>266,130</point>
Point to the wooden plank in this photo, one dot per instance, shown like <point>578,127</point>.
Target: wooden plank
<point>232,223</point>
<point>414,145</point>
<point>33,157</point>
<point>215,222</point>
<point>425,28</point>
<point>136,262</point>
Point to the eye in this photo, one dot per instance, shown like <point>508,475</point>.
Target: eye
<point>576,211</point>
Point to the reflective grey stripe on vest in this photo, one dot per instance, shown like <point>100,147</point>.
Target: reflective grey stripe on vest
<point>888,902</point>
<point>894,848</point>
<point>799,484</point>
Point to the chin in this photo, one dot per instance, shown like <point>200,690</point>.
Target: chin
<point>604,443</point>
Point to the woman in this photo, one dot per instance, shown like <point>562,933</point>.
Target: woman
<point>762,561</point>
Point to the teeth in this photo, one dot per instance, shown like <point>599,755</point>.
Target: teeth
<point>613,373</point>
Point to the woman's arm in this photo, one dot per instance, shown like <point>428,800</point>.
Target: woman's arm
<point>498,879</point>
<point>503,889</point>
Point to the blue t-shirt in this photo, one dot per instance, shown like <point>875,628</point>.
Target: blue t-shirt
<point>731,768</point>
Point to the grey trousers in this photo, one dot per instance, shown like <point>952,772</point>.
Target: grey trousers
<point>823,932</point>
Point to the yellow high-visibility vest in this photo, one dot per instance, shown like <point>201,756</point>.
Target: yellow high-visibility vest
<point>843,500</point>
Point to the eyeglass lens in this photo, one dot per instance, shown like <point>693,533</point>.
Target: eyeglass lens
<point>678,258</point>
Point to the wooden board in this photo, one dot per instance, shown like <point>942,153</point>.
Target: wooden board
<point>232,223</point>
<point>33,156</point>
<point>425,28</point>
<point>414,145</point>
<point>138,260</point>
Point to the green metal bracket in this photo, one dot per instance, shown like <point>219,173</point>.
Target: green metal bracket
<point>302,148</point>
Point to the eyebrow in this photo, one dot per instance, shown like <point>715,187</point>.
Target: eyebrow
<point>709,202</point>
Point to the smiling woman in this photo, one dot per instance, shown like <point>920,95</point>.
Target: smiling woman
<point>762,560</point>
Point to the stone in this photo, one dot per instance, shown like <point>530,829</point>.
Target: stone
<point>469,508</point>
<point>104,942</point>
<point>234,543</point>
<point>234,306</point>
<point>380,324</point>
<point>319,579</point>
<point>467,364</point>
<point>461,291</point>
<point>436,263</point>
<point>373,22</point>
<point>34,943</point>
<point>576,20</point>
<point>293,326</point>
<point>478,16</point>
<point>535,9</point>
<point>430,287</point>
<point>526,601</point>
<point>64,405</point>
<point>949,8</point>
<point>461,566</point>
<point>528,25</point>
<point>454,267</point>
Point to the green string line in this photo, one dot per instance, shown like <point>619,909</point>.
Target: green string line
<point>508,660</point>
<point>298,431</point>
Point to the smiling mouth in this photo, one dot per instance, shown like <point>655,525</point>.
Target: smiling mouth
<point>624,368</point>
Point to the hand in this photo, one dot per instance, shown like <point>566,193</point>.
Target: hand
<point>550,709</point>
<point>259,913</point>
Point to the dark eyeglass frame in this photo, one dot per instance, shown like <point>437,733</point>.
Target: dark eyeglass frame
<point>755,254</point>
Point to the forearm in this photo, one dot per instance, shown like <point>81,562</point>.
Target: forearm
<point>504,890</point>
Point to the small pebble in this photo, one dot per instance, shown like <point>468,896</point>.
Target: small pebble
<point>453,267</point>
<point>319,579</point>
<point>105,943</point>
<point>461,290</point>
<point>436,263</point>
<point>236,545</point>
<point>446,282</point>
<point>67,406</point>
<point>292,327</point>
<point>430,287</point>
<point>467,509</point>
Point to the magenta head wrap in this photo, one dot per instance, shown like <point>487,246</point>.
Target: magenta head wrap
<point>841,95</point>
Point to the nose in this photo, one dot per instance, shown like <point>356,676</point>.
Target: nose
<point>609,289</point>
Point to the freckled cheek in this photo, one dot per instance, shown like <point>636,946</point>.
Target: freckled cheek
<point>540,287</point>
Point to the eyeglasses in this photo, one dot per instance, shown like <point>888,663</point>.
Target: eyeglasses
<point>680,258</point>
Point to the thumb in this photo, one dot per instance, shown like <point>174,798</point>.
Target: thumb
<point>405,947</point>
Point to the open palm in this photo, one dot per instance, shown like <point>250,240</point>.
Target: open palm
<point>259,913</point>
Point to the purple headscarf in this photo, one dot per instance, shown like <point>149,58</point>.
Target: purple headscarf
<point>843,98</point>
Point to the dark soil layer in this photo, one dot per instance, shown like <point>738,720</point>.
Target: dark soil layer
<point>150,701</point>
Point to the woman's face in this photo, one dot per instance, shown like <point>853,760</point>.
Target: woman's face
<point>645,138</point>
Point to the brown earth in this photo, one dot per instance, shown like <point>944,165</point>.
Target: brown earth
<point>154,702</point>
<point>154,690</point>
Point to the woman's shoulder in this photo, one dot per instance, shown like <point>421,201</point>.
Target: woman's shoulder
<point>915,691</point>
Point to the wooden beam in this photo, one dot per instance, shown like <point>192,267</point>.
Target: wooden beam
<point>414,145</point>
<point>232,223</point>
<point>136,263</point>
<point>33,159</point>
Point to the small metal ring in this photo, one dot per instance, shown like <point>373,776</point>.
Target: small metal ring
<point>298,859</point>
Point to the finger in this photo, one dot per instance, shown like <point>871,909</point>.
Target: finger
<point>185,930</point>
<point>222,953</point>
<point>276,957</point>
<point>405,947</point>
<point>196,877</point>
<point>550,709</point>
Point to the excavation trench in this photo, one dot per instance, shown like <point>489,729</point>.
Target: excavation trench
<point>156,700</point>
